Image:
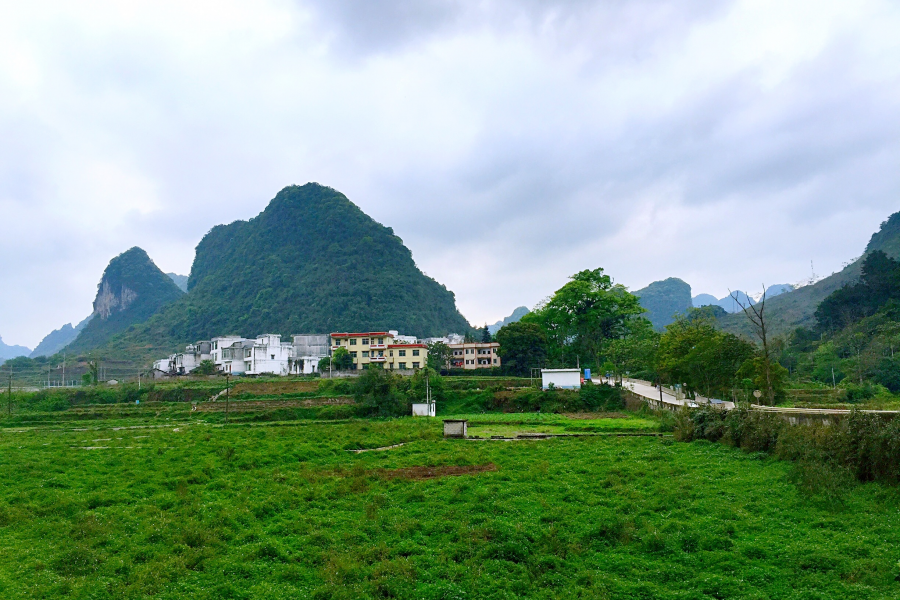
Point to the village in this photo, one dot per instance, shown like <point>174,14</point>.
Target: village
<point>310,354</point>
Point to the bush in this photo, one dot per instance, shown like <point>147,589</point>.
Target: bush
<point>864,444</point>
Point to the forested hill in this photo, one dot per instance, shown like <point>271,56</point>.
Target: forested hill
<point>797,308</point>
<point>665,299</point>
<point>131,291</point>
<point>311,262</point>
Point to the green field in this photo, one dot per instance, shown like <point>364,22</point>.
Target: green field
<point>182,509</point>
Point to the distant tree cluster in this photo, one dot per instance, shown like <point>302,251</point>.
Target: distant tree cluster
<point>878,286</point>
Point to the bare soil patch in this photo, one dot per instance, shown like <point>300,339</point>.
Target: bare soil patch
<point>256,405</point>
<point>419,473</point>
<point>595,415</point>
<point>267,388</point>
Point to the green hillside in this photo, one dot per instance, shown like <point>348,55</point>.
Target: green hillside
<point>311,262</point>
<point>797,309</point>
<point>665,299</point>
<point>131,291</point>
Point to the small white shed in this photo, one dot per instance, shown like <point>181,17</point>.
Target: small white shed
<point>562,379</point>
<point>424,410</point>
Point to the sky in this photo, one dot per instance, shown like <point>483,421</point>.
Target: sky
<point>509,143</point>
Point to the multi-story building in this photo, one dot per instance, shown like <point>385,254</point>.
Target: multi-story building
<point>474,355</point>
<point>380,347</point>
<point>309,349</point>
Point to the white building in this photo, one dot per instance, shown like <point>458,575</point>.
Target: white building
<point>308,350</point>
<point>269,356</point>
<point>567,379</point>
<point>403,339</point>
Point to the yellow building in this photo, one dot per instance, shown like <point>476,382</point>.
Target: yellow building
<point>474,355</point>
<point>380,347</point>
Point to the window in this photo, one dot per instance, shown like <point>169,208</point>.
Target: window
<point>365,341</point>
<point>402,352</point>
<point>390,352</point>
<point>381,353</point>
<point>365,353</point>
<point>353,354</point>
<point>352,342</point>
<point>415,352</point>
<point>401,365</point>
<point>495,361</point>
<point>273,356</point>
<point>380,340</point>
<point>415,365</point>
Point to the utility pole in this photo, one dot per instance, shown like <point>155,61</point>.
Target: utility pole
<point>64,370</point>
<point>9,392</point>
<point>227,395</point>
<point>833,382</point>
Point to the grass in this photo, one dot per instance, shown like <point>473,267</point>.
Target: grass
<point>181,509</point>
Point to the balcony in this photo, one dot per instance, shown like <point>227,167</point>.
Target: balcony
<point>378,346</point>
<point>376,359</point>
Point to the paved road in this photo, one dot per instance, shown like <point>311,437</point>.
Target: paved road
<point>642,388</point>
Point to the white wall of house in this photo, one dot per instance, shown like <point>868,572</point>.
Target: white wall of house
<point>269,356</point>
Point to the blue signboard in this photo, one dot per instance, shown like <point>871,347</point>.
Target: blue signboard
<point>587,374</point>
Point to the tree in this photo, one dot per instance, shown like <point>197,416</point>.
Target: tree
<point>636,352</point>
<point>757,315</point>
<point>377,392</point>
<point>585,314</point>
<point>522,346</point>
<point>206,367</point>
<point>439,355</point>
<point>485,335</point>
<point>341,359</point>
<point>469,337</point>
<point>694,353</point>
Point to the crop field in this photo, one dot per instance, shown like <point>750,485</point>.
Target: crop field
<point>160,505</point>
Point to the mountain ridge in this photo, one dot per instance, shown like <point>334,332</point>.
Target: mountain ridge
<point>310,262</point>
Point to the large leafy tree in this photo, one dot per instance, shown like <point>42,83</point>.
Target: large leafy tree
<point>522,346</point>
<point>439,355</point>
<point>584,315</point>
<point>705,360</point>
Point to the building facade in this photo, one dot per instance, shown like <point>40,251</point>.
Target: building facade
<point>380,347</point>
<point>474,355</point>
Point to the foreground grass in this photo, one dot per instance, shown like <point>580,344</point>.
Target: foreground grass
<point>285,511</point>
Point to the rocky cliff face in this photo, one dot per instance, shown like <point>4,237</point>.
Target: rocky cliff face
<point>108,302</point>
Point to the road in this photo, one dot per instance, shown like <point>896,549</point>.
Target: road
<point>647,390</point>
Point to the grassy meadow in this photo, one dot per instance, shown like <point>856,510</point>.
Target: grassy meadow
<point>160,502</point>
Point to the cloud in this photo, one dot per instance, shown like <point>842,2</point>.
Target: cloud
<point>510,144</point>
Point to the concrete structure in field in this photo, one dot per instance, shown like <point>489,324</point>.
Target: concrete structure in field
<point>456,428</point>
<point>474,355</point>
<point>380,347</point>
<point>561,379</point>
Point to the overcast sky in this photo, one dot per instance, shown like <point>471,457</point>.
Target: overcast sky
<point>510,143</point>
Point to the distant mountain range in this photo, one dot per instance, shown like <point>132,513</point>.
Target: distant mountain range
<point>180,280</point>
<point>7,352</point>
<point>513,318</point>
<point>58,339</point>
<point>797,308</point>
